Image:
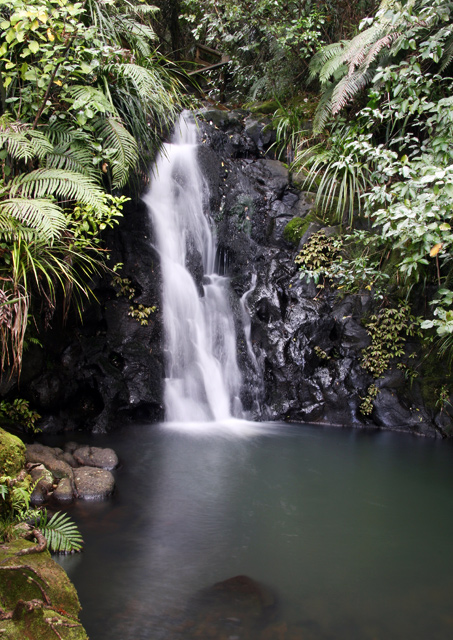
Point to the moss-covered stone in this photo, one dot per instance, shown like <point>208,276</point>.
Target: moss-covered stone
<point>40,596</point>
<point>267,107</point>
<point>294,230</point>
<point>12,454</point>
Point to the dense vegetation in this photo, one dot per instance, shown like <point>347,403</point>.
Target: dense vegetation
<point>383,160</point>
<point>81,85</point>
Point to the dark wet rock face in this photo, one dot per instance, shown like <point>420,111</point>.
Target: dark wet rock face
<point>99,374</point>
<point>308,342</point>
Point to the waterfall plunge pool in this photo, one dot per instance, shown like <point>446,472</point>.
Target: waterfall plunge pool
<point>351,531</point>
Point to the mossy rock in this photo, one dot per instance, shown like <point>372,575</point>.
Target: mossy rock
<point>294,230</point>
<point>297,227</point>
<point>267,107</point>
<point>12,454</point>
<point>32,617</point>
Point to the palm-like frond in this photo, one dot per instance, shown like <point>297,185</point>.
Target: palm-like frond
<point>75,157</point>
<point>38,217</point>
<point>23,143</point>
<point>447,55</point>
<point>61,533</point>
<point>147,82</point>
<point>116,137</point>
<point>69,185</point>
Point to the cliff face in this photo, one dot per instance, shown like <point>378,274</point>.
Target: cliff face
<point>307,344</point>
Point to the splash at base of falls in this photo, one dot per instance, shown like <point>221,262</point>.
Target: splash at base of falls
<point>203,380</point>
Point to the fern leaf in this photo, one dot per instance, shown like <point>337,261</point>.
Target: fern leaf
<point>61,534</point>
<point>87,96</point>
<point>318,63</point>
<point>347,89</point>
<point>115,136</point>
<point>23,144</point>
<point>44,218</point>
<point>69,185</point>
<point>73,156</point>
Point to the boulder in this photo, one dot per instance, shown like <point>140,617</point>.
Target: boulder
<point>103,458</point>
<point>92,483</point>
<point>48,457</point>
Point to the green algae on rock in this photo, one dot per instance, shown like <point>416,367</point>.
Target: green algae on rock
<point>37,599</point>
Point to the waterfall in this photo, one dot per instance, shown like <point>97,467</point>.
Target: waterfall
<point>203,380</point>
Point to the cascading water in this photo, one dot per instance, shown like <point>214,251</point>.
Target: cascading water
<point>203,380</point>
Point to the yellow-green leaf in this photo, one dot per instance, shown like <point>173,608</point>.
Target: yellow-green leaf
<point>33,46</point>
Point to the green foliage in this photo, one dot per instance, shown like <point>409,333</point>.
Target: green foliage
<point>322,355</point>
<point>80,83</point>
<point>317,255</point>
<point>124,286</point>
<point>141,313</point>
<point>61,533</point>
<point>294,230</point>
<point>290,122</point>
<point>19,413</point>
<point>341,169</point>
<point>367,404</point>
<point>388,330</point>
<point>269,41</point>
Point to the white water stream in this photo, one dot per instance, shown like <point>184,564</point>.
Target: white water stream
<point>203,380</point>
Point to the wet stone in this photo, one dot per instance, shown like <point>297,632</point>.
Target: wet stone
<point>92,483</point>
<point>96,457</point>
<point>64,491</point>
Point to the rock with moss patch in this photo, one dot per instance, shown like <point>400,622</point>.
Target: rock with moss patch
<point>39,595</point>
<point>12,454</point>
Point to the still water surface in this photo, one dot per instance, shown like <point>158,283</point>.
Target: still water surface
<point>352,531</point>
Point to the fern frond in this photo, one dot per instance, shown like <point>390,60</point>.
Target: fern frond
<point>61,533</point>
<point>447,55</point>
<point>365,58</point>
<point>348,88</point>
<point>115,136</point>
<point>23,143</point>
<point>73,157</point>
<point>144,9</point>
<point>322,57</point>
<point>64,184</point>
<point>323,111</point>
<point>147,82</point>
<point>44,218</point>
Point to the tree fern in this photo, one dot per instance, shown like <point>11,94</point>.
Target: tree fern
<point>125,150</point>
<point>22,143</point>
<point>45,219</point>
<point>75,157</point>
<point>61,533</point>
<point>69,185</point>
